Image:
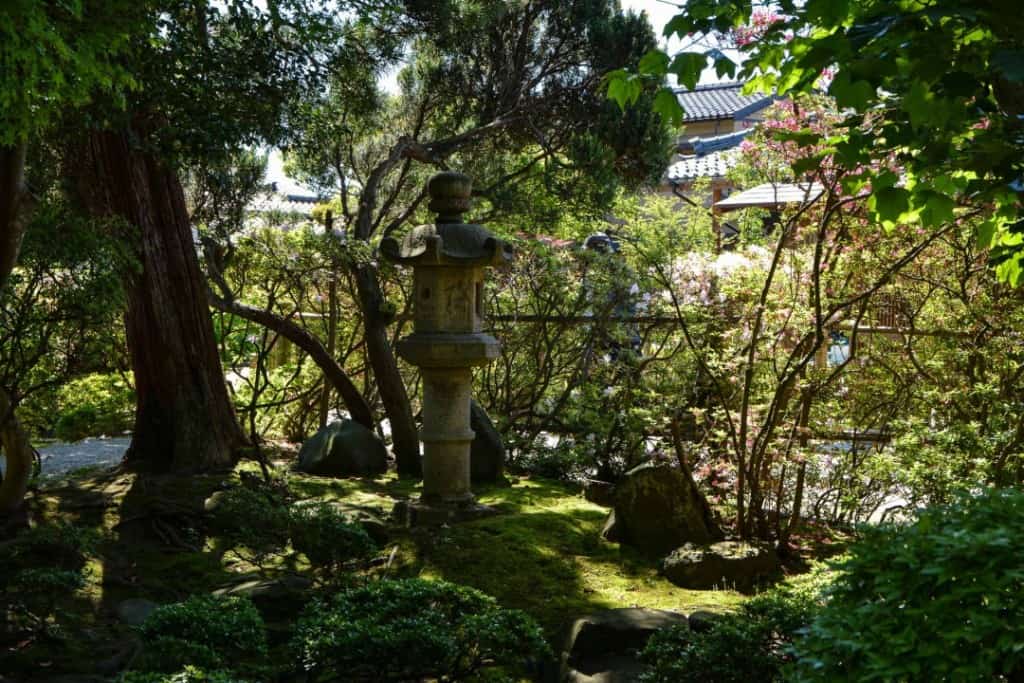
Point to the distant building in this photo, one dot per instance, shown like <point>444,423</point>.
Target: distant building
<point>716,119</point>
<point>273,200</point>
<point>283,200</point>
<point>720,108</point>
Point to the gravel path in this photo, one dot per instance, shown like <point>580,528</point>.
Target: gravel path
<point>61,458</point>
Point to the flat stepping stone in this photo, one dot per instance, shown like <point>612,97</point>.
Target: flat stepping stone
<point>603,646</point>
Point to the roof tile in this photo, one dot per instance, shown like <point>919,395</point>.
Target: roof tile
<point>719,101</point>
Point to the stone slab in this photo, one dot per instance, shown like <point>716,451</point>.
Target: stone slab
<point>415,513</point>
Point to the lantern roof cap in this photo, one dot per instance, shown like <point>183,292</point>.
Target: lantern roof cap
<point>448,241</point>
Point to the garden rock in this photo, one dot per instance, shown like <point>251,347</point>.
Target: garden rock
<point>134,611</point>
<point>658,508</point>
<point>728,564</point>
<point>599,492</point>
<point>487,452</point>
<point>604,646</point>
<point>343,448</point>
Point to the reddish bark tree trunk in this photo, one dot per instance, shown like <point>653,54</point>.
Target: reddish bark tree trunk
<point>184,420</point>
<point>16,448</point>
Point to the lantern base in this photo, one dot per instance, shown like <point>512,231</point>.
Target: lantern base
<point>417,513</point>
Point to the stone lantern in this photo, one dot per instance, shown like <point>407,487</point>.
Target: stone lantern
<point>448,260</point>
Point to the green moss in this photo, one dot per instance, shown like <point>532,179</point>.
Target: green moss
<point>544,555</point>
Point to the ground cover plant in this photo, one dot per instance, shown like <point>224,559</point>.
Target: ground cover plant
<point>540,559</point>
<point>754,642</point>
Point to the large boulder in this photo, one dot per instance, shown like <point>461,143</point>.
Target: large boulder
<point>604,646</point>
<point>658,508</point>
<point>487,452</point>
<point>342,449</point>
<point>727,564</point>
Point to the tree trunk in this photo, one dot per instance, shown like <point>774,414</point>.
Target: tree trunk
<point>385,369</point>
<point>332,340</point>
<point>334,374</point>
<point>16,448</point>
<point>12,194</point>
<point>184,420</point>
<point>18,454</point>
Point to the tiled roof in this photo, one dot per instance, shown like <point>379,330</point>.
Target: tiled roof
<point>719,101</point>
<point>714,165</point>
<point>277,202</point>
<point>772,195</point>
<point>719,143</point>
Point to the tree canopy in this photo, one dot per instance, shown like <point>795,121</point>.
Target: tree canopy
<point>937,87</point>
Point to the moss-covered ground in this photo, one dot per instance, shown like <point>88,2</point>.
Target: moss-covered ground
<point>542,553</point>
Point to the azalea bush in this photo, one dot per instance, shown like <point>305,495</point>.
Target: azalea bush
<point>594,377</point>
<point>204,631</point>
<point>939,599</point>
<point>396,630</point>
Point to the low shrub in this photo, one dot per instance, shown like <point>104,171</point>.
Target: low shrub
<point>749,645</point>
<point>58,546</point>
<point>732,650</point>
<point>40,569</point>
<point>327,538</point>
<point>566,461</point>
<point>203,631</point>
<point>396,630</point>
<point>254,518</point>
<point>164,654</point>
<point>939,599</point>
<point>190,674</point>
<point>93,405</point>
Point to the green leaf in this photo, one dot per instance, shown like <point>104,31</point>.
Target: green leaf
<point>724,66</point>
<point>884,179</point>
<point>828,12</point>
<point>855,94</point>
<point>807,164</point>
<point>890,204</point>
<point>803,138</point>
<point>938,208</point>
<point>852,184</point>
<point>679,25</point>
<point>623,87</point>
<point>654,63</point>
<point>687,66</point>
<point>1010,270</point>
<point>919,104</point>
<point>986,231</point>
<point>666,104</point>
